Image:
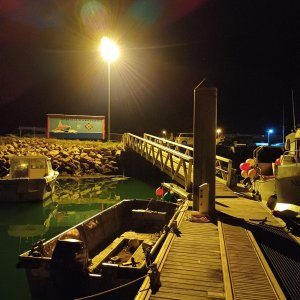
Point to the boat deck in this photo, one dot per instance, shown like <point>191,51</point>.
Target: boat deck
<point>222,259</point>
<point>124,254</point>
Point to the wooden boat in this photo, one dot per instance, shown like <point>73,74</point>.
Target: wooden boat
<point>278,184</point>
<point>31,178</point>
<point>112,248</point>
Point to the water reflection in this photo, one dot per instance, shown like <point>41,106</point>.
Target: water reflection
<point>90,190</point>
<point>22,224</point>
<point>73,201</point>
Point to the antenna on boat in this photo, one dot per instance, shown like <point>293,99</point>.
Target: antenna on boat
<point>293,110</point>
<point>283,138</point>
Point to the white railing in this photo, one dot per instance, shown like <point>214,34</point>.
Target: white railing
<point>178,147</point>
<point>174,159</point>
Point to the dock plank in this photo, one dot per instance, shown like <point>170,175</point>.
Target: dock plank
<point>219,261</point>
<point>193,266</point>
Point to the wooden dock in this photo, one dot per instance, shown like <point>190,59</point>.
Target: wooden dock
<point>219,259</point>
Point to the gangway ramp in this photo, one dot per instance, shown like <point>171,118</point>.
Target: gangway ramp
<point>174,159</point>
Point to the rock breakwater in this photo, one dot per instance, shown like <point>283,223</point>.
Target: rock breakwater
<point>75,158</point>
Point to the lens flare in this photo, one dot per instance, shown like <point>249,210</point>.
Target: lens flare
<point>147,12</point>
<point>94,16</point>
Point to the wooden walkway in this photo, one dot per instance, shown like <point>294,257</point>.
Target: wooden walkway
<point>219,259</point>
<point>191,271</point>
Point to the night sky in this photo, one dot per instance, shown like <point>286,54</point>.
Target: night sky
<point>248,49</point>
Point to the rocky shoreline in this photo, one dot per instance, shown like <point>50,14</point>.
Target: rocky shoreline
<point>69,157</point>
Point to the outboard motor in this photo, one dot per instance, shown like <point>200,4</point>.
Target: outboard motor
<point>69,267</point>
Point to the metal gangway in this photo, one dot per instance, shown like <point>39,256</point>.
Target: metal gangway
<point>175,160</point>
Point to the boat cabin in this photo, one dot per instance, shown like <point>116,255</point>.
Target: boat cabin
<point>292,144</point>
<point>32,167</point>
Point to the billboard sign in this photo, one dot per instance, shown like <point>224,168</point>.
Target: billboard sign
<point>75,127</point>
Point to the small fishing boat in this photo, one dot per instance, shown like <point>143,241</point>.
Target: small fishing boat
<point>276,174</point>
<point>113,248</point>
<point>30,178</point>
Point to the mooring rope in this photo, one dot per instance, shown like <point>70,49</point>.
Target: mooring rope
<point>112,290</point>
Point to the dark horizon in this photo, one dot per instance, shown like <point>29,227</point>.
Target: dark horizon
<point>248,50</point>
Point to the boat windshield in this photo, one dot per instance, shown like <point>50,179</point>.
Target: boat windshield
<point>19,168</point>
<point>38,163</point>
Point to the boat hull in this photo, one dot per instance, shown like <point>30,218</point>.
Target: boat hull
<point>265,187</point>
<point>24,190</point>
<point>282,191</point>
<point>287,184</point>
<point>104,236</point>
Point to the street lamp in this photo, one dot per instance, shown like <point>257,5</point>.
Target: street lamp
<point>269,132</point>
<point>109,52</point>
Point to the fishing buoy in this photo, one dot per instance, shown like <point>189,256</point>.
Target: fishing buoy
<point>250,161</point>
<point>169,197</point>
<point>278,162</point>
<point>159,192</point>
<point>252,173</point>
<point>245,166</point>
<point>244,174</point>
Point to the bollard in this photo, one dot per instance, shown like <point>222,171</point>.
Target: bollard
<point>204,198</point>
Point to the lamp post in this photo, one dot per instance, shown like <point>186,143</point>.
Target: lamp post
<point>218,136</point>
<point>109,52</point>
<point>269,132</point>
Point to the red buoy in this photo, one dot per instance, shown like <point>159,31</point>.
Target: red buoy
<point>159,192</point>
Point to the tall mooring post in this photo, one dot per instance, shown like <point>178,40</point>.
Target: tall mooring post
<point>205,124</point>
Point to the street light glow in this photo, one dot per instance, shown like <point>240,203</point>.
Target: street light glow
<point>109,50</point>
<point>269,132</point>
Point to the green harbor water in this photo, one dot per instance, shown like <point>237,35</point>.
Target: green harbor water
<point>22,224</point>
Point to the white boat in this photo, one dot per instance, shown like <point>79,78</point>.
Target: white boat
<point>30,178</point>
<point>277,182</point>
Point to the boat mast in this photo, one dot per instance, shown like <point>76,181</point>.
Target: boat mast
<point>293,111</point>
<point>283,138</point>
